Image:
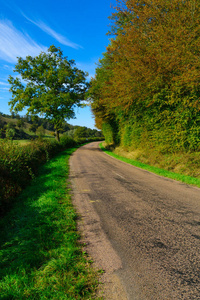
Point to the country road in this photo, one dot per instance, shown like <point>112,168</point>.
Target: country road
<point>143,230</point>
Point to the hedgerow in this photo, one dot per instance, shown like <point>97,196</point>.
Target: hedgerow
<point>18,165</point>
<point>147,81</point>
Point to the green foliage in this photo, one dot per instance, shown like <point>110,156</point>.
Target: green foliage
<point>20,123</point>
<point>148,80</point>
<point>33,127</point>
<point>80,132</point>
<point>53,86</point>
<point>70,133</point>
<point>19,165</point>
<point>161,171</point>
<point>41,128</point>
<point>41,257</point>
<point>1,124</point>
<point>10,125</point>
<point>66,141</point>
<point>108,133</point>
<point>81,141</point>
<point>41,131</point>
<point>10,133</point>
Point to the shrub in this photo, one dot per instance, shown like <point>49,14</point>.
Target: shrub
<point>18,165</point>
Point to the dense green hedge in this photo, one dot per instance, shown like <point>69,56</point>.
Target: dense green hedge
<point>18,165</point>
<point>147,81</point>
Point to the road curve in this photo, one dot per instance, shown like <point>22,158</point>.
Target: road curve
<point>142,229</point>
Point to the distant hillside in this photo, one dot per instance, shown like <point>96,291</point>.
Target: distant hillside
<point>26,127</point>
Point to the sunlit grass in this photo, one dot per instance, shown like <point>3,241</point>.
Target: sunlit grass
<point>180,177</point>
<point>40,257</point>
<point>22,142</point>
<point>26,142</point>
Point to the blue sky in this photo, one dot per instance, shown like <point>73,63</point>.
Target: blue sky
<point>28,27</point>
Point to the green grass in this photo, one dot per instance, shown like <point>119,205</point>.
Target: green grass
<point>40,254</point>
<point>180,177</point>
<point>22,142</point>
<point>26,142</point>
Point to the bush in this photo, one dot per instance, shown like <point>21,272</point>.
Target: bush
<point>18,165</point>
<point>10,133</point>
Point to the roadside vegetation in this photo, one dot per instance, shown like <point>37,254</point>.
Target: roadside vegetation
<point>31,144</point>
<point>20,164</point>
<point>40,253</point>
<point>145,94</point>
<point>185,171</point>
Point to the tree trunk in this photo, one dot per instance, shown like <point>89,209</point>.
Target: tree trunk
<point>57,135</point>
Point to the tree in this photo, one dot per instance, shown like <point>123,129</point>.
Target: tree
<point>12,114</point>
<point>10,125</point>
<point>80,132</point>
<point>33,127</point>
<point>53,87</point>
<point>10,133</point>
<point>41,131</point>
<point>20,123</point>
<point>146,88</point>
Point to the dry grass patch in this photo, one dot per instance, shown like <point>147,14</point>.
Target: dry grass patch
<point>182,163</point>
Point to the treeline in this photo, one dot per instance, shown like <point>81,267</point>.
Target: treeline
<point>16,127</point>
<point>147,85</point>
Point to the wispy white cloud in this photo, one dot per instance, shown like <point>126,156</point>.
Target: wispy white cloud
<point>6,67</point>
<point>4,89</point>
<point>3,83</point>
<point>16,44</point>
<point>57,36</point>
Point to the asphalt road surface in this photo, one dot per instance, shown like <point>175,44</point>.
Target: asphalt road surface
<point>143,230</point>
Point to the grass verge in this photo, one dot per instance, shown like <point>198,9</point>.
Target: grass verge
<point>180,177</point>
<point>40,257</point>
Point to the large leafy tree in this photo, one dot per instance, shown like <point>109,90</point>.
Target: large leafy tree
<point>50,86</point>
<point>148,79</point>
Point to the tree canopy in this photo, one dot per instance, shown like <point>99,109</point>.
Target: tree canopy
<point>146,87</point>
<point>49,85</point>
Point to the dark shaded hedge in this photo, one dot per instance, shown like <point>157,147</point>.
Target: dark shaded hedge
<point>18,165</point>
